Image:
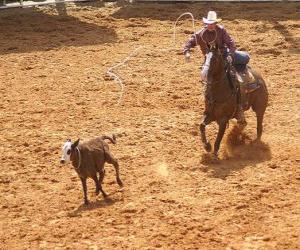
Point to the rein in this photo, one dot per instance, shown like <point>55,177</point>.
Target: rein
<point>212,101</point>
<point>232,92</point>
<point>226,100</point>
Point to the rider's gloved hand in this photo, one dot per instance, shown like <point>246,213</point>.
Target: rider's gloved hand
<point>187,56</point>
<point>229,59</point>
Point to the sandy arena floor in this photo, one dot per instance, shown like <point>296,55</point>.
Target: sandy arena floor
<point>53,87</point>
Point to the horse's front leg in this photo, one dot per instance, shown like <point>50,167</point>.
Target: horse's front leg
<point>222,128</point>
<point>205,121</point>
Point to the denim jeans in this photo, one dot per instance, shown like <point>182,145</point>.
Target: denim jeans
<point>240,59</point>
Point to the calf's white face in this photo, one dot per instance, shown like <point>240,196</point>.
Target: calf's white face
<point>66,152</point>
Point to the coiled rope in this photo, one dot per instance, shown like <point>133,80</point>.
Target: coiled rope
<point>119,81</point>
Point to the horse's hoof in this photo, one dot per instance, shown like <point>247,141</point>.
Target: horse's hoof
<point>257,141</point>
<point>215,158</point>
<point>207,147</point>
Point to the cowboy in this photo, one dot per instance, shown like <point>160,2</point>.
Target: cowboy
<point>213,33</point>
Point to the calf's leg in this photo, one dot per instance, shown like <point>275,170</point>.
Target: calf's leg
<point>96,184</point>
<point>83,182</point>
<point>101,176</point>
<point>111,160</point>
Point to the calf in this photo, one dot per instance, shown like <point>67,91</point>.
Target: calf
<point>88,159</point>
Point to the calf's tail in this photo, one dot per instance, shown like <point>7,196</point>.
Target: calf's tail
<point>112,139</point>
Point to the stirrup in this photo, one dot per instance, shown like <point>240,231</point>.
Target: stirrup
<point>248,76</point>
<point>239,78</point>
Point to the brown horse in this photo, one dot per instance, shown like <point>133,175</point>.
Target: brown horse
<point>222,98</point>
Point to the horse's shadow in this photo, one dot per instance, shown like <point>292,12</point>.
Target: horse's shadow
<point>240,151</point>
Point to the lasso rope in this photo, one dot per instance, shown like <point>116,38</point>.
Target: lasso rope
<point>115,76</point>
<point>119,81</point>
<point>193,22</point>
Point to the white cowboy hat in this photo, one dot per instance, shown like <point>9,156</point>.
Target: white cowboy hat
<point>211,18</point>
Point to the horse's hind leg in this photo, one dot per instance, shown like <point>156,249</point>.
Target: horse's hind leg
<point>112,160</point>
<point>259,104</point>
<point>259,108</point>
<point>259,128</point>
<point>222,128</point>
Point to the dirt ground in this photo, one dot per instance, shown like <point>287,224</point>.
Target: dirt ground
<point>54,86</point>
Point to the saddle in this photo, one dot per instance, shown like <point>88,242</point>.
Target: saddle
<point>245,81</point>
<point>249,83</point>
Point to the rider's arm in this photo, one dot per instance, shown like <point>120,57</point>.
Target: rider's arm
<point>191,43</point>
<point>195,40</point>
<point>227,39</point>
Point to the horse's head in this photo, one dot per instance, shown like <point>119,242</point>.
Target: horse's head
<point>213,67</point>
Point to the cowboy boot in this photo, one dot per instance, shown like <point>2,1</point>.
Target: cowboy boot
<point>249,78</point>
<point>238,77</point>
<point>235,74</point>
<point>240,117</point>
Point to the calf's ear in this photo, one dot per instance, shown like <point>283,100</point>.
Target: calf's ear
<point>75,144</point>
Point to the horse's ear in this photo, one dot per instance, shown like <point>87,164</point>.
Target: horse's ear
<point>217,46</point>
